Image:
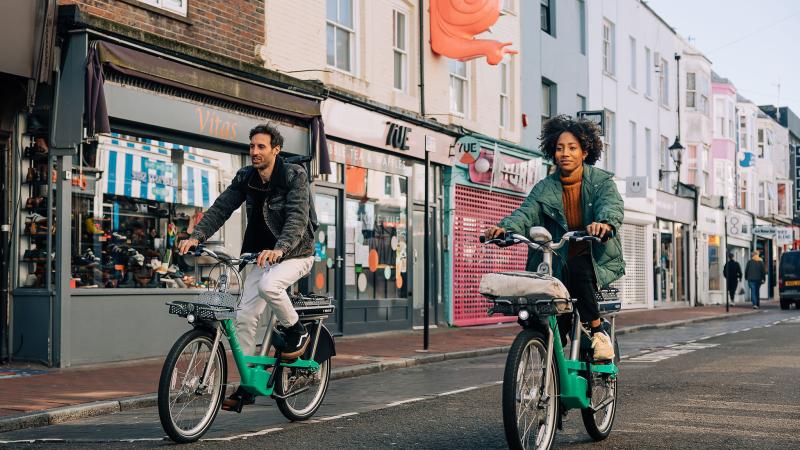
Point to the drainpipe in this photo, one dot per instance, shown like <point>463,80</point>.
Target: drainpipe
<point>421,15</point>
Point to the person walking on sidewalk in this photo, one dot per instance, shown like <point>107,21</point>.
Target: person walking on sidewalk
<point>755,273</point>
<point>280,228</point>
<point>733,275</point>
<point>578,196</point>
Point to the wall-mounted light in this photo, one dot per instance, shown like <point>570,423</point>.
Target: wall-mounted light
<point>482,165</point>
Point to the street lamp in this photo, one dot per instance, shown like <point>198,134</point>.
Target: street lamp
<point>676,149</point>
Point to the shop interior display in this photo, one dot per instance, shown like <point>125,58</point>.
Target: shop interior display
<point>38,222</point>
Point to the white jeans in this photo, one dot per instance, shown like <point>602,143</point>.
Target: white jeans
<point>264,286</point>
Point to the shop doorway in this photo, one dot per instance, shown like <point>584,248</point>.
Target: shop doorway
<point>326,273</point>
<point>420,270</point>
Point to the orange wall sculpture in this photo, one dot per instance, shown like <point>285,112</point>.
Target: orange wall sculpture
<point>455,23</point>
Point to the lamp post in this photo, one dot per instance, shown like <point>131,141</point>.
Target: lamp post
<point>676,149</point>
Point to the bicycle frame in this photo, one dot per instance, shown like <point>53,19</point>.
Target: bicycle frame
<point>574,385</point>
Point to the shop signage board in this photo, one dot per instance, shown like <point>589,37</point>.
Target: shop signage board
<point>504,171</point>
<point>674,208</point>
<point>597,117</point>
<point>376,130</point>
<point>146,107</point>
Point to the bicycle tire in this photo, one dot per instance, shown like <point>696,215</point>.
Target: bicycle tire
<point>601,429</point>
<point>522,352</point>
<point>169,377</point>
<point>288,406</point>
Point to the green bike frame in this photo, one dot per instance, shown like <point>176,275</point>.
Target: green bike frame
<point>573,385</point>
<point>253,370</point>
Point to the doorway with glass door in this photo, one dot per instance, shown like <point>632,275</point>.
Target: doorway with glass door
<point>325,278</point>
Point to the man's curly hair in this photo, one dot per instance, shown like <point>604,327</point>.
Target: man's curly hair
<point>585,131</point>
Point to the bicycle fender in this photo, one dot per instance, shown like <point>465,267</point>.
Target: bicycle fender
<point>326,348</point>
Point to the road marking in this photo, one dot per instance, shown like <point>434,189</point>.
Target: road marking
<point>458,391</point>
<point>403,402</point>
<point>661,355</point>
<point>244,435</point>
<point>324,419</point>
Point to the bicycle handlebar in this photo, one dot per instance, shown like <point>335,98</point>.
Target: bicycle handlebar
<point>509,239</point>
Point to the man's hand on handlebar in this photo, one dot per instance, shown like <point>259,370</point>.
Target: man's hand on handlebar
<point>269,256</point>
<point>494,232</point>
<point>599,229</point>
<point>187,244</point>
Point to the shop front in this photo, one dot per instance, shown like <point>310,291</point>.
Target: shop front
<point>103,215</point>
<point>371,243</point>
<point>489,181</point>
<point>711,254</point>
<point>739,242</point>
<point>672,250</point>
<point>764,243</point>
<point>637,249</point>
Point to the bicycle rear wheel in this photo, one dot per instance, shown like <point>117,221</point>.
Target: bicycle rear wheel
<point>187,404</point>
<point>305,390</point>
<point>529,413</point>
<point>598,419</point>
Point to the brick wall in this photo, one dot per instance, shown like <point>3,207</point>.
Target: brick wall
<point>232,28</point>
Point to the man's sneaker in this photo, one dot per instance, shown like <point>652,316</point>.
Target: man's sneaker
<point>603,349</point>
<point>296,340</point>
<point>237,400</point>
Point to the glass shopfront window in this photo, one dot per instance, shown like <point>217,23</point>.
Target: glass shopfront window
<point>145,196</point>
<point>376,238</point>
<point>714,268</point>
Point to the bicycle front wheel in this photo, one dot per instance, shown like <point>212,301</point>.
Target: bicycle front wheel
<point>529,410</point>
<point>187,403</point>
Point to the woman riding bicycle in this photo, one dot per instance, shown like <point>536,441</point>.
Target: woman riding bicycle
<point>577,196</point>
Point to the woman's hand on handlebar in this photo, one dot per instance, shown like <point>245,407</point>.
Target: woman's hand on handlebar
<point>186,245</point>
<point>494,232</point>
<point>599,229</point>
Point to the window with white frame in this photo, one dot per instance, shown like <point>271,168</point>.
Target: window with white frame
<point>703,84</point>
<point>582,24</point>
<point>507,6</point>
<point>691,90</point>
<point>608,47</point>
<point>505,104</point>
<point>743,136</point>
<point>548,99</point>
<point>174,6</point>
<point>664,81</point>
<point>648,73</point>
<point>719,118</point>
<point>762,199</point>
<point>581,103</point>
<point>705,164</point>
<point>760,143</point>
<point>634,151</point>
<point>633,63</point>
<point>340,32</point>
<point>459,87</point>
<point>648,153</point>
<point>783,200</point>
<point>743,193</point>
<point>692,164</point>
<point>663,152</point>
<point>400,49</point>
<point>731,114</point>
<point>609,141</point>
<point>546,16</point>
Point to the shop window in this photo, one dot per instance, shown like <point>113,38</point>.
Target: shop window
<point>375,235</point>
<point>37,224</point>
<point>129,214</point>
<point>713,263</point>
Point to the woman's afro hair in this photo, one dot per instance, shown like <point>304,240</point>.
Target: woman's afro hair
<point>586,131</point>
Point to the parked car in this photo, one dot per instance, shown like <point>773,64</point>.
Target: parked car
<point>789,279</point>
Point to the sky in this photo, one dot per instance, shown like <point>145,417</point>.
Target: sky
<point>754,44</point>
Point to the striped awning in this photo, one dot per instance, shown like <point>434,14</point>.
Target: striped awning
<point>144,169</point>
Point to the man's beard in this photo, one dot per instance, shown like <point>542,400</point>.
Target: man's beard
<point>261,165</point>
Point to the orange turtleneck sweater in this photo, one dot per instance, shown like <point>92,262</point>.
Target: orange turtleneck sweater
<point>572,207</point>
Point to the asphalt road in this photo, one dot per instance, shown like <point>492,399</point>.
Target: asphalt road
<point>725,384</point>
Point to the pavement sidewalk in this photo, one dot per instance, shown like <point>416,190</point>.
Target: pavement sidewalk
<point>48,396</point>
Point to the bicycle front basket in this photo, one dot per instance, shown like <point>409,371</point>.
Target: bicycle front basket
<point>216,298</point>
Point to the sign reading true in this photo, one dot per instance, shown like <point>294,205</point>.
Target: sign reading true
<point>397,136</point>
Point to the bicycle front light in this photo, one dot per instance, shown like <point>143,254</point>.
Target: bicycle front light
<point>190,318</point>
<point>523,314</point>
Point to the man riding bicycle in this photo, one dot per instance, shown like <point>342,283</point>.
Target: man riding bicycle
<point>577,196</point>
<point>280,228</point>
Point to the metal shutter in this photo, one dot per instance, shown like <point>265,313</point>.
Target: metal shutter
<point>475,210</point>
<point>633,286</point>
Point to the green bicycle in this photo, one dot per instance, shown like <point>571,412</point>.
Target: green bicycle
<point>195,373</point>
<point>541,382</point>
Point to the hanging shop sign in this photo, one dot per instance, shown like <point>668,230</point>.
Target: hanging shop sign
<point>497,170</point>
<point>468,149</point>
